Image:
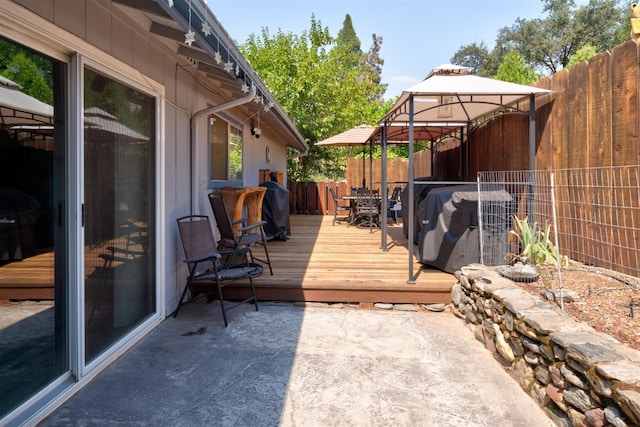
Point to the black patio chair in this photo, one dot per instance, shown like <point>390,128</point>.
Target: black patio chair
<point>394,204</point>
<point>238,234</point>
<point>339,206</point>
<point>367,210</point>
<point>209,266</point>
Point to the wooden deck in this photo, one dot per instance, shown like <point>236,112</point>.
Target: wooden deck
<point>320,262</point>
<point>326,263</point>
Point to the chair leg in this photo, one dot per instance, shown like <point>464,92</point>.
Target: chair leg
<point>266,251</point>
<point>224,312</point>
<point>184,292</point>
<point>253,292</point>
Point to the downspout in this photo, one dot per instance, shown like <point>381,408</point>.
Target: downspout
<point>299,155</point>
<point>211,110</point>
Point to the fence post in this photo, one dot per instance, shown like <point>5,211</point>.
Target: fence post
<point>554,219</point>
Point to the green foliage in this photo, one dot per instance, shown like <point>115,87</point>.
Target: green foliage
<point>585,53</point>
<point>349,41</point>
<point>30,71</point>
<point>513,69</point>
<point>535,244</point>
<point>373,65</point>
<point>320,88</point>
<point>547,44</point>
<point>473,56</point>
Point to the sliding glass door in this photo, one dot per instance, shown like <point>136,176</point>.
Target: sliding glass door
<point>118,211</point>
<point>34,290</point>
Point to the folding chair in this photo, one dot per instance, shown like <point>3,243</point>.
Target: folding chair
<point>237,234</point>
<point>206,264</point>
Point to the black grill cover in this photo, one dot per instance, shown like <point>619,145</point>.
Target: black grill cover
<point>449,235</point>
<point>275,211</point>
<point>420,191</point>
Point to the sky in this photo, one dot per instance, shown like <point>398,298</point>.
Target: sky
<point>417,35</point>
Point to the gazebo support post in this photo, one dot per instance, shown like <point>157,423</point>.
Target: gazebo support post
<point>383,190</point>
<point>411,280</point>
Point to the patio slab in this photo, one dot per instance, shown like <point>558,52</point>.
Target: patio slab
<point>304,366</point>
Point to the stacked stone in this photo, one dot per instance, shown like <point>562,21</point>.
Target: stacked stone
<point>582,377</point>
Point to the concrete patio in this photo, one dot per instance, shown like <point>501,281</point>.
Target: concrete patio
<point>312,366</point>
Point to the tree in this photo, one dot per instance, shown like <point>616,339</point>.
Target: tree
<point>348,40</point>
<point>513,69</point>
<point>585,53</point>
<point>547,44</point>
<point>320,88</point>
<point>473,55</point>
<point>30,71</point>
<point>373,64</point>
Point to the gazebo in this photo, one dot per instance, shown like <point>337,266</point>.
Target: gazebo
<point>450,96</point>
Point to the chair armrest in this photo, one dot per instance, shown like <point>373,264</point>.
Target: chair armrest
<point>251,226</point>
<point>242,250</point>
<point>128,252</point>
<point>239,221</point>
<point>211,257</point>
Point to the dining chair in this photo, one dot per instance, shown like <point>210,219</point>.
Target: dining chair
<point>339,206</point>
<point>395,204</point>
<point>367,208</point>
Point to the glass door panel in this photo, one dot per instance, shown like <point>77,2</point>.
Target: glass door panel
<point>119,210</point>
<point>33,277</point>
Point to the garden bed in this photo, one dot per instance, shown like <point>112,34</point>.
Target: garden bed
<point>608,301</point>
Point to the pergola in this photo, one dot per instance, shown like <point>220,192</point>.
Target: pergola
<point>450,96</point>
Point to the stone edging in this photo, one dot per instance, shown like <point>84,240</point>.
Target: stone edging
<point>580,376</point>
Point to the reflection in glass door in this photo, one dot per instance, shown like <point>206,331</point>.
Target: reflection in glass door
<point>33,278</point>
<point>119,210</point>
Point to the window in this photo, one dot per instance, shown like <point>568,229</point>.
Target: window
<point>226,151</point>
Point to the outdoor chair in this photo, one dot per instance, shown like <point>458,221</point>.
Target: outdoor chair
<point>339,206</point>
<point>367,209</point>
<point>238,234</point>
<point>395,204</point>
<point>208,266</point>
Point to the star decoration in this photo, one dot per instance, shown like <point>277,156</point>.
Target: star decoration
<point>190,37</point>
<point>217,57</point>
<point>269,106</point>
<point>258,99</point>
<point>170,3</point>
<point>237,70</point>
<point>228,66</point>
<point>206,28</point>
<point>245,88</point>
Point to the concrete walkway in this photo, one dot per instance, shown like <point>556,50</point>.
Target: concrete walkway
<point>289,366</point>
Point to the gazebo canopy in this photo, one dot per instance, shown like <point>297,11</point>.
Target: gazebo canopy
<point>451,94</point>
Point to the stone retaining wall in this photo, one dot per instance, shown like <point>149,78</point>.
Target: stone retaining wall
<point>582,377</point>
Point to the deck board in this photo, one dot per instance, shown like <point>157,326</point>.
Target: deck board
<point>319,263</point>
<point>325,263</point>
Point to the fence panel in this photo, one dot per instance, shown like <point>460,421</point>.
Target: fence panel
<point>601,230</point>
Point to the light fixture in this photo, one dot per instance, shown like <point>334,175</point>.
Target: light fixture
<point>255,129</point>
